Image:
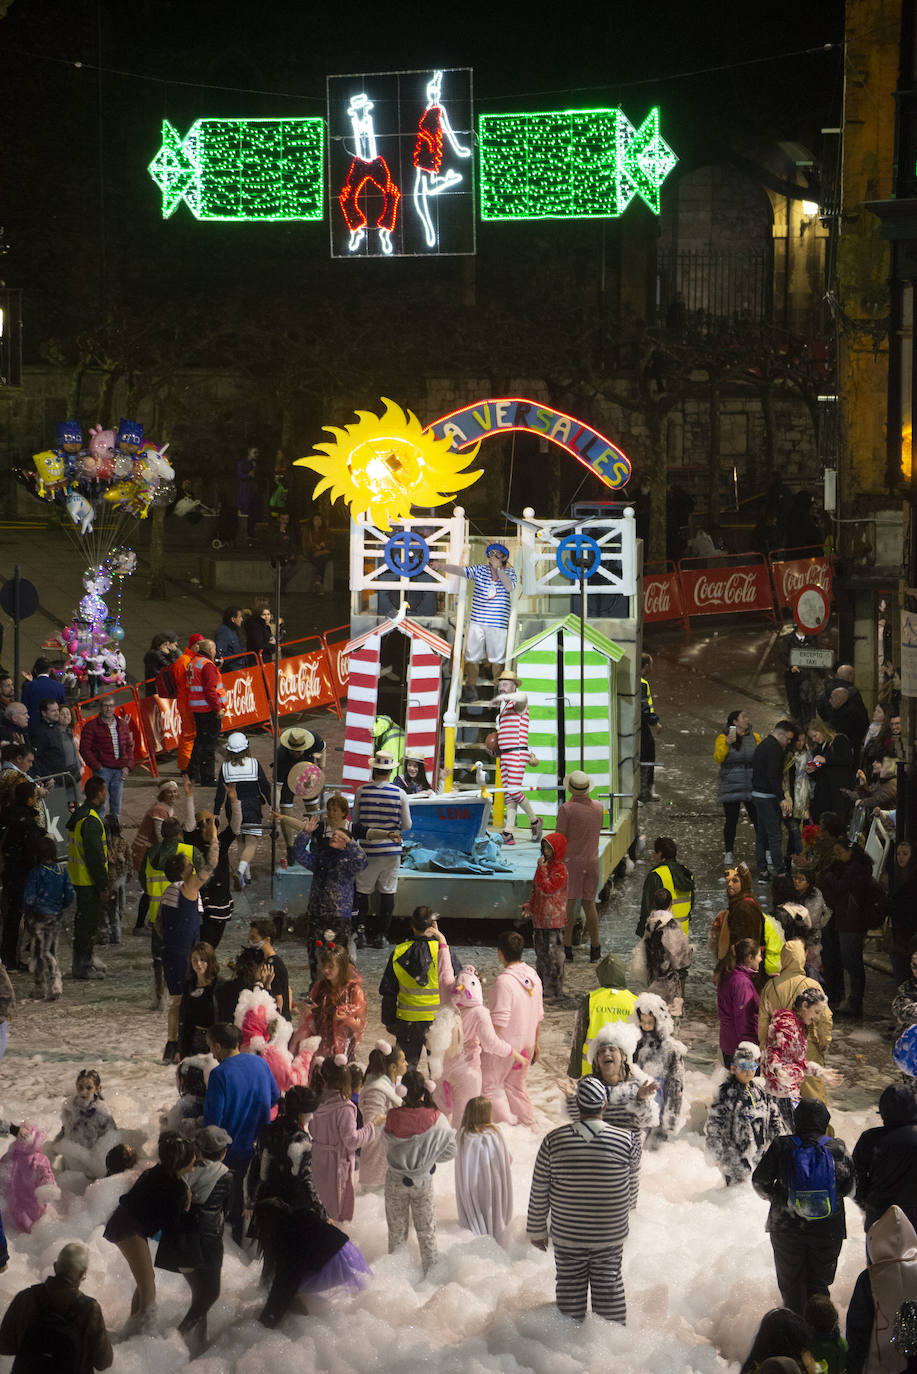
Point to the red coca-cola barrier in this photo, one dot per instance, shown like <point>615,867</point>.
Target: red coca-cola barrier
<point>247,701</point>
<point>737,583</point>
<point>305,678</point>
<point>662,594</point>
<point>790,574</point>
<point>127,705</point>
<point>335,642</point>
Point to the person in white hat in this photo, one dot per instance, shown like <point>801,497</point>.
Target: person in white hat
<point>381,805</point>
<point>513,746</point>
<point>580,820</point>
<point>253,791</point>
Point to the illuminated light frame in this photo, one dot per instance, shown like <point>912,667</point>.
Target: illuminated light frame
<point>570,164</point>
<point>386,142</point>
<point>483,419</point>
<point>243,170</point>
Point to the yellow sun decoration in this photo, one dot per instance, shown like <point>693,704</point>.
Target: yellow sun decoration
<point>382,466</point>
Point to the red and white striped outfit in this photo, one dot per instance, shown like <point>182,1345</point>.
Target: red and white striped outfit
<point>513,743</point>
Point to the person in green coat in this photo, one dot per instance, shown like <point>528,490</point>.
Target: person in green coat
<point>87,865</point>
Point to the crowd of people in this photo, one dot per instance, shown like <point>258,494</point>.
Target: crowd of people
<point>279,1129</point>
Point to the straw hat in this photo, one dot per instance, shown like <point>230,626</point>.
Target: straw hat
<point>383,761</point>
<point>297,740</point>
<point>417,755</point>
<point>577,781</point>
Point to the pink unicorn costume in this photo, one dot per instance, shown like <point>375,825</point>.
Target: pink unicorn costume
<point>516,1009</point>
<point>266,1033</point>
<point>335,1141</point>
<point>462,1073</point>
<point>26,1178</point>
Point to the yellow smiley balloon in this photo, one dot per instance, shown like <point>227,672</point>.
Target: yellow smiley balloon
<point>50,466</point>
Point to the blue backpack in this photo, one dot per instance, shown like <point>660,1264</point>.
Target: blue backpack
<point>811,1185</point>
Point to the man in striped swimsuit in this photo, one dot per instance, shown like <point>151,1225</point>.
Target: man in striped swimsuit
<point>490,606</point>
<point>513,744</point>
<point>582,1178</point>
<point>383,809</point>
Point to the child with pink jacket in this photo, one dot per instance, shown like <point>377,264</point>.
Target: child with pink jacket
<point>517,1010</point>
<point>336,1139</point>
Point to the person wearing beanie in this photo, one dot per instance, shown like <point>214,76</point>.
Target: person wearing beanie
<point>609,1002</point>
<point>806,1246</point>
<point>885,1157</point>
<point>743,1119</point>
<point>580,1200</point>
<point>580,820</point>
<point>675,877</point>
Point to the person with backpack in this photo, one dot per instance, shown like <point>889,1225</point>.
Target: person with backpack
<point>805,1178</point>
<point>53,1326</point>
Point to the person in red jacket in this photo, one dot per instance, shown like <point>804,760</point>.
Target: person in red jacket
<point>180,676</point>
<point>547,907</point>
<point>107,745</point>
<point>207,701</point>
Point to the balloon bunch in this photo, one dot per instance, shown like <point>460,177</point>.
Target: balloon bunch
<point>117,477</point>
<point>85,639</point>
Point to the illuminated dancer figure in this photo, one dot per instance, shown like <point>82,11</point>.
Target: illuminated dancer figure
<point>367,169</point>
<point>429,178</point>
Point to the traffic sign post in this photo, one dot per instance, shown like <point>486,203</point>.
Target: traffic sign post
<point>811,610</point>
<point>19,599</point>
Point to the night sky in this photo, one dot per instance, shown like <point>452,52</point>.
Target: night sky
<point>82,217</point>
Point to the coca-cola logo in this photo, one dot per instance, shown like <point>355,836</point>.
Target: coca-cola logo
<point>300,683</point>
<point>343,666</point>
<point>809,575</point>
<point>241,697</point>
<point>656,599</point>
<point>736,589</point>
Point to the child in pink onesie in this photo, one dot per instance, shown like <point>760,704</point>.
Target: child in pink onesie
<point>517,1010</point>
<point>336,1139</point>
<point>463,1071</point>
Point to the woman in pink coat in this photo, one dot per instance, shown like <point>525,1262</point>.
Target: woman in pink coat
<point>336,1139</point>
<point>463,1071</point>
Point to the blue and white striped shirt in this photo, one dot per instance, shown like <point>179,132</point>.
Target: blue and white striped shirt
<point>490,602</point>
<point>382,806</point>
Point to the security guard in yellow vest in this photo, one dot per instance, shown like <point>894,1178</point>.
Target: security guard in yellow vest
<point>611,1001</point>
<point>675,877</point>
<point>87,864</point>
<point>155,882</point>
<point>410,988</point>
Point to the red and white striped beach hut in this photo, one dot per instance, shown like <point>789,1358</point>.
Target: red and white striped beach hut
<point>424,690</point>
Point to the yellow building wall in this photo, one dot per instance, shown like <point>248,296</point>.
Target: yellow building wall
<point>873,32</point>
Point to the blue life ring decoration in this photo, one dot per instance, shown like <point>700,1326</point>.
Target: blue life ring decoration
<point>574,548</point>
<point>406,554</point>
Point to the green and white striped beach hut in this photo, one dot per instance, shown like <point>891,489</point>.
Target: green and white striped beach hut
<point>548,667</point>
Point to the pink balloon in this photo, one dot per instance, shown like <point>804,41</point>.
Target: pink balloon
<point>102,444</point>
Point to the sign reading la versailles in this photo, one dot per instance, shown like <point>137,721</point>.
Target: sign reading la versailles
<point>484,418</point>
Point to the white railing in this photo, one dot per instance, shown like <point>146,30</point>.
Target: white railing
<point>444,537</point>
<point>616,574</point>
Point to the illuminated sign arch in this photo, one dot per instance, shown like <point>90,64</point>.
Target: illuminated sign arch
<point>483,419</point>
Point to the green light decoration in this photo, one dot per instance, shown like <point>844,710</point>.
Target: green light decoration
<point>243,169</point>
<point>570,164</point>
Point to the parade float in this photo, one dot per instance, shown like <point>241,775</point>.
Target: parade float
<point>569,698</point>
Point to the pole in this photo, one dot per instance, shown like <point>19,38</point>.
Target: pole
<point>277,564</point>
<point>582,661</point>
<point>16,628</point>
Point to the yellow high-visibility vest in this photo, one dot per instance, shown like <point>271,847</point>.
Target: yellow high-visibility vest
<point>773,944</point>
<point>416,1001</point>
<point>681,901</point>
<point>606,1005</point>
<point>76,854</point>
<point>157,882</point>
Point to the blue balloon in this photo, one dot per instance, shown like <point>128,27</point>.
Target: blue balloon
<point>116,632</point>
<point>905,1052</point>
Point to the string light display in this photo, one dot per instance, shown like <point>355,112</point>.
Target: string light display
<point>570,164</point>
<point>243,169</point>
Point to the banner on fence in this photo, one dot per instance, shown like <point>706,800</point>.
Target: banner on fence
<point>792,574</point>
<point>727,590</point>
<point>246,698</point>
<point>305,682</point>
<point>662,599</point>
<point>335,641</point>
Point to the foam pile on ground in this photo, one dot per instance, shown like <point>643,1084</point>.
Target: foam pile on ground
<point>698,1267</point>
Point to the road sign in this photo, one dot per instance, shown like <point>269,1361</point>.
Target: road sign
<point>28,598</point>
<point>811,658</point>
<point>811,609</point>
